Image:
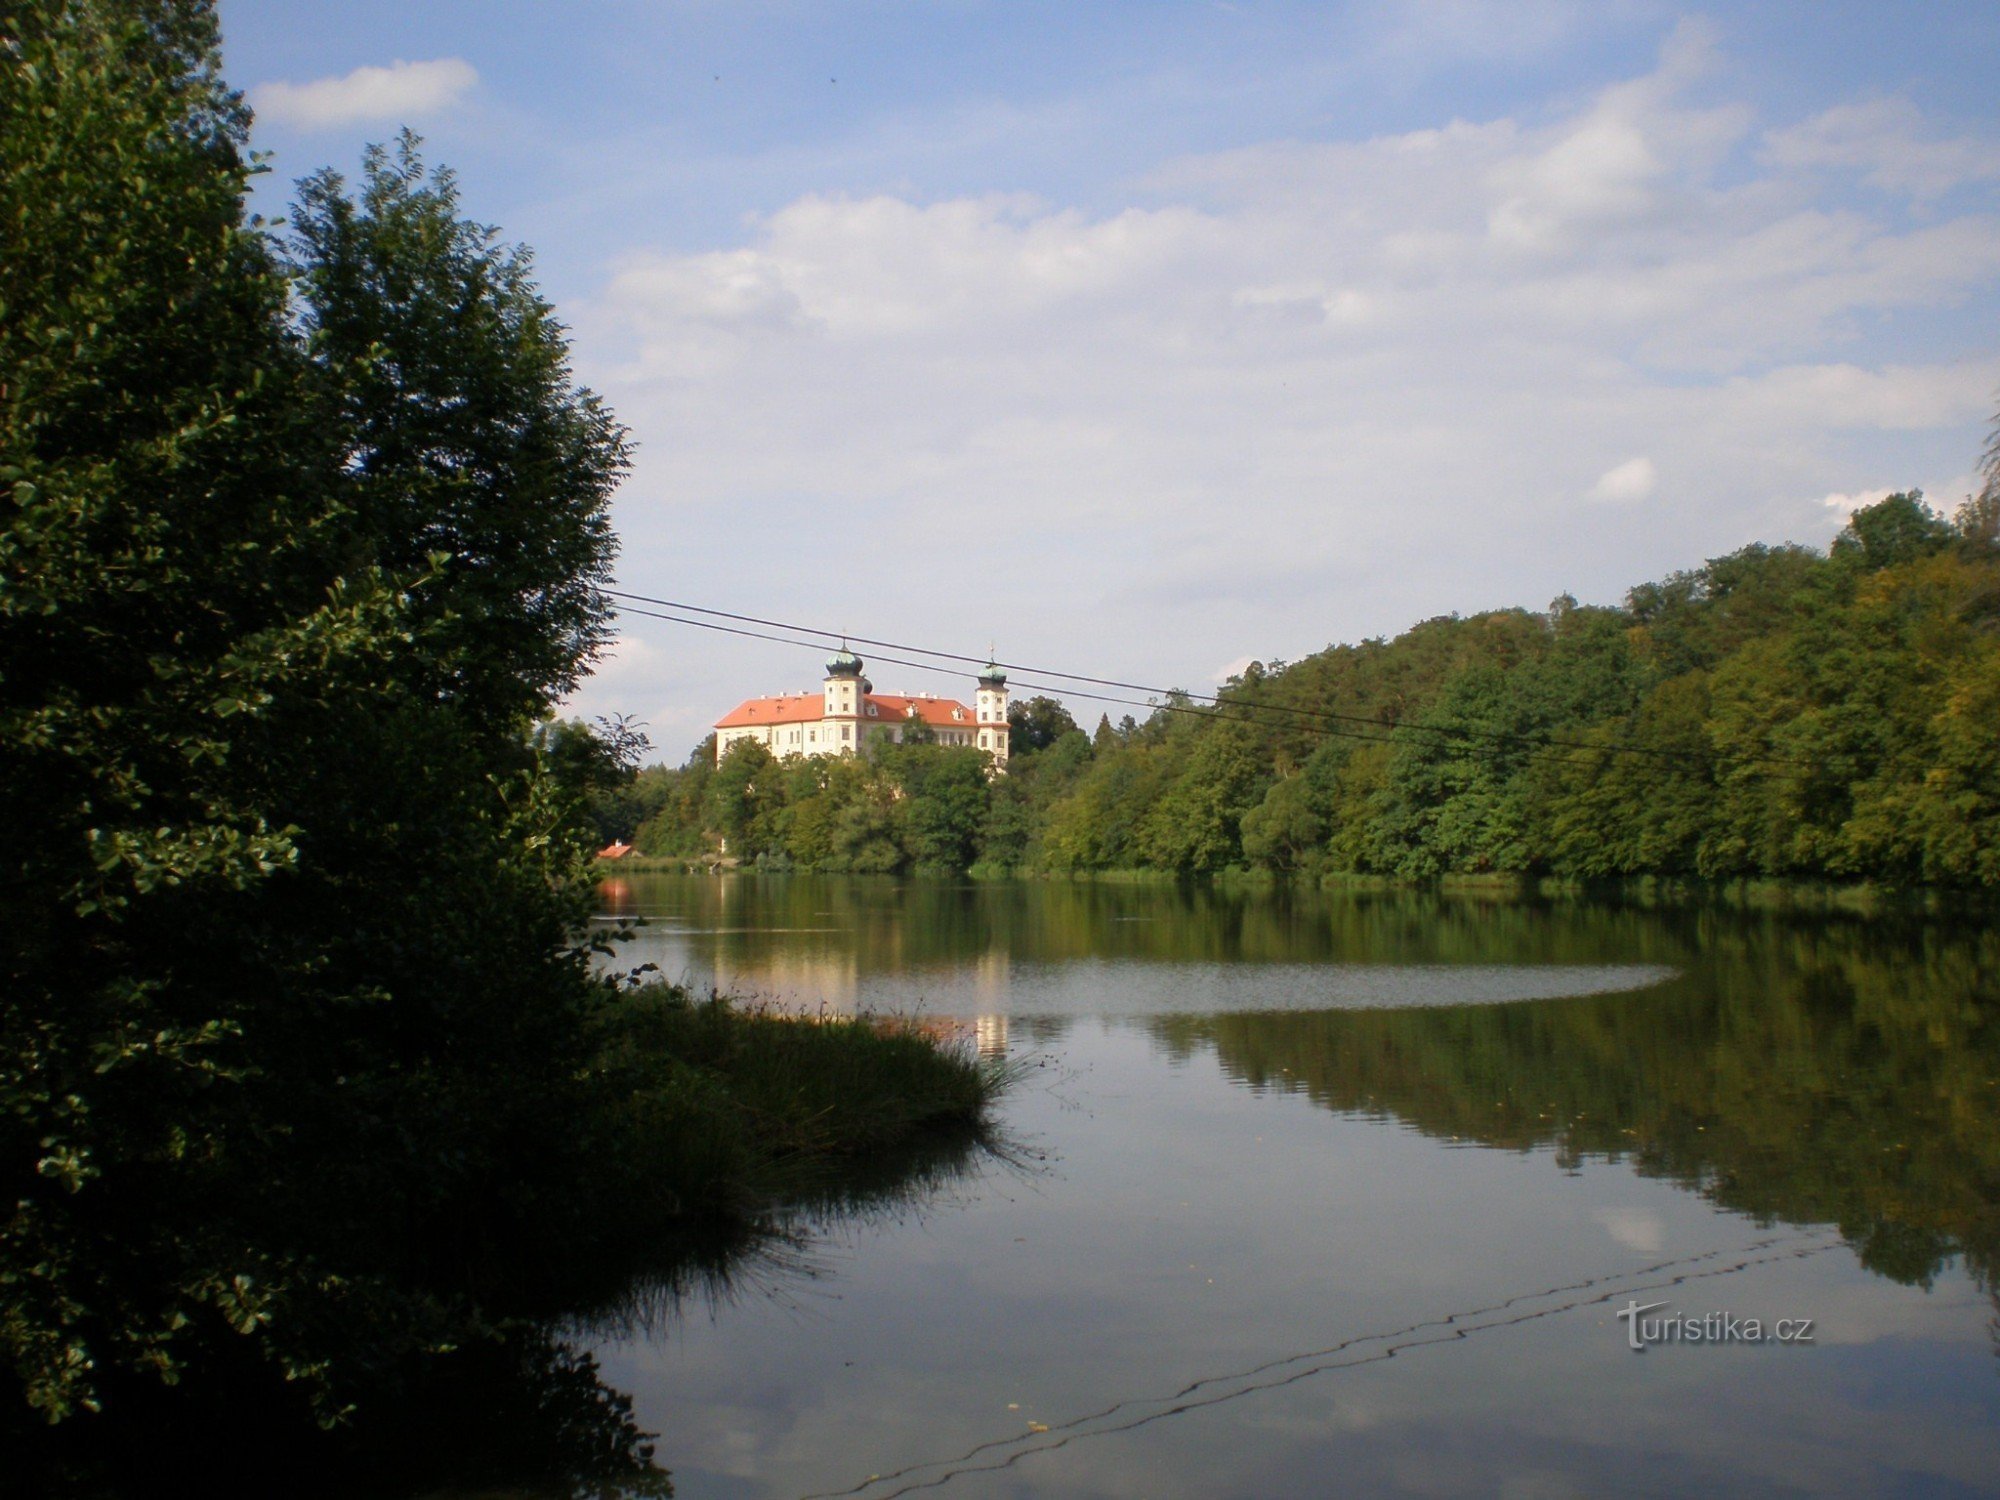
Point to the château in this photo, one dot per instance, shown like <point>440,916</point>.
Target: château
<point>847,713</point>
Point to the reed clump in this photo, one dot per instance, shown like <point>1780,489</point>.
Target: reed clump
<point>720,1109</point>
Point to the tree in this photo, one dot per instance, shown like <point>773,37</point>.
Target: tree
<point>743,798</point>
<point>1281,829</point>
<point>504,474</point>
<point>1989,462</point>
<point>161,584</point>
<point>1036,723</point>
<point>675,800</point>
<point>1899,529</point>
<point>295,982</point>
<point>1003,840</point>
<point>1978,519</point>
<point>598,763</point>
<point>946,808</point>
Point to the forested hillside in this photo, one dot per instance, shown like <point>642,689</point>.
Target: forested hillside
<point>1778,712</point>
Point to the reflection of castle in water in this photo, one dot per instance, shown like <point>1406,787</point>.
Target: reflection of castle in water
<point>969,1002</point>
<point>810,983</point>
<point>989,1035</point>
<point>991,977</point>
<point>832,980</point>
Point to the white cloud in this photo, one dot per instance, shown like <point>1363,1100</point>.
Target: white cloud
<point>1844,505</point>
<point>401,91</point>
<point>1892,398</point>
<point>1636,157</point>
<point>1888,143</point>
<point>1298,392</point>
<point>1601,172</point>
<point>1633,480</point>
<point>1640,1229</point>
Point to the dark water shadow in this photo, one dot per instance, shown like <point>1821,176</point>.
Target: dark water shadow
<point>524,1413</point>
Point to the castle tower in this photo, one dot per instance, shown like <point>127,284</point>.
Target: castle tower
<point>846,692</point>
<point>990,713</point>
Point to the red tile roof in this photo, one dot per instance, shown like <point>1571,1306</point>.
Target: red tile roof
<point>792,708</point>
<point>810,708</point>
<point>935,712</point>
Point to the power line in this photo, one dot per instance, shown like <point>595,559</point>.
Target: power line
<point>1220,710</point>
<point>1324,717</point>
<point>1446,730</point>
<point>1233,710</point>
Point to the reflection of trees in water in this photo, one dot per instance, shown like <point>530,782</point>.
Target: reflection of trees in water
<point>524,1412</point>
<point>782,1258</point>
<point>878,924</point>
<point>1806,1071</point>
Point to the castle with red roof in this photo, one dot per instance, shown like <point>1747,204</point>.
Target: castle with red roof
<point>848,713</point>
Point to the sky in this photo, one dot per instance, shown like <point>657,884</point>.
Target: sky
<point>1142,341</point>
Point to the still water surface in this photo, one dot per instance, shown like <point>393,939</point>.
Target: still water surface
<point>1343,1194</point>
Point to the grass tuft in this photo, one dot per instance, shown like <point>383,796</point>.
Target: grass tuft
<point>723,1110</point>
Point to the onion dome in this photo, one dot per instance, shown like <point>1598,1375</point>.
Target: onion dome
<point>992,677</point>
<point>846,664</point>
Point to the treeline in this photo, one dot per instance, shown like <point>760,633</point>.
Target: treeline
<point>1779,712</point>
<point>917,806</point>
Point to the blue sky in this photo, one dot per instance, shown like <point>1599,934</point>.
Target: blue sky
<point>1146,339</point>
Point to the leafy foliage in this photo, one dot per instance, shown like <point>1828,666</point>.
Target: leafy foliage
<point>504,470</point>
<point>1778,712</point>
<point>285,877</point>
<point>309,1092</point>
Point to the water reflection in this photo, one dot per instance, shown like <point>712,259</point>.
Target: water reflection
<point>1220,1389</point>
<point>526,1412</point>
<point>1051,950</point>
<point>1833,1075</point>
<point>888,925</point>
<point>1301,1137</point>
<point>1808,1068</point>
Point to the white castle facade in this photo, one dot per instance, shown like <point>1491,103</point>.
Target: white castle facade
<point>847,713</point>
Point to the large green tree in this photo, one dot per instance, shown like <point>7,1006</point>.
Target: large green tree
<point>293,988</point>
<point>503,470</point>
<point>165,507</point>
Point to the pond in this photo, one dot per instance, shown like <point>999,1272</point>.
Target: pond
<point>1372,1193</point>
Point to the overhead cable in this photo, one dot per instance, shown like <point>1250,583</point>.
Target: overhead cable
<point>1161,698</point>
